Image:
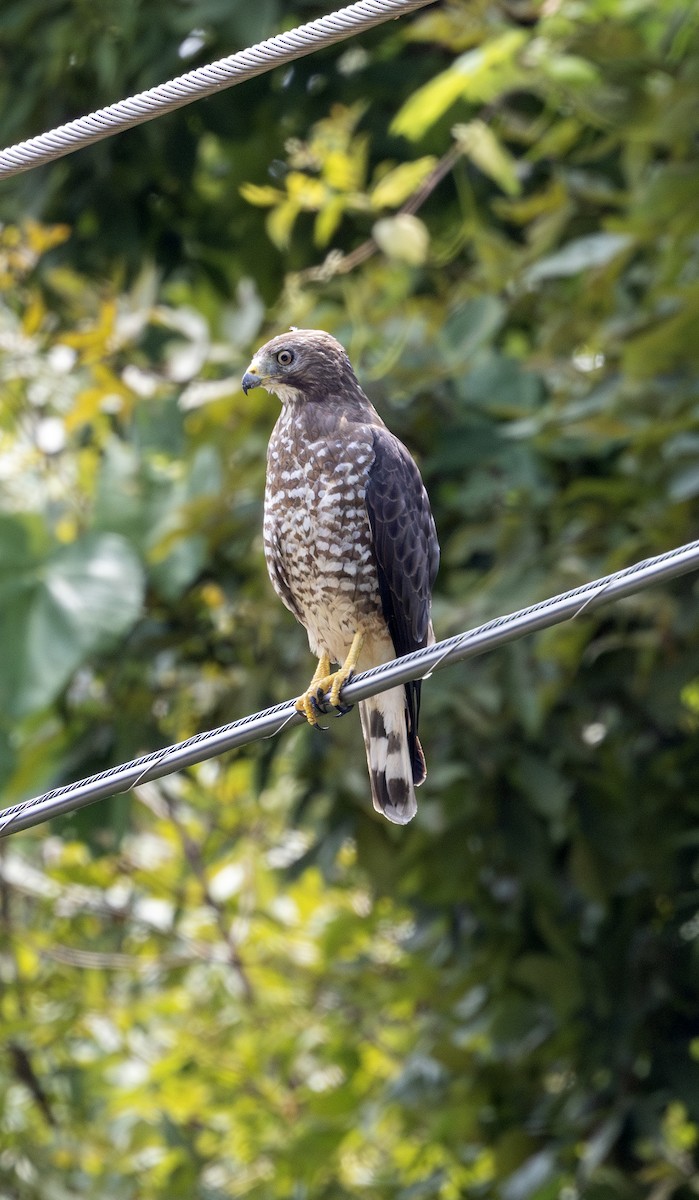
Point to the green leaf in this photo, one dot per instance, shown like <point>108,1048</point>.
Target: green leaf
<point>546,788</point>
<point>482,147</point>
<point>77,602</point>
<point>685,484</point>
<point>501,385</point>
<point>403,237</point>
<point>14,548</point>
<point>582,254</point>
<point>569,69</point>
<point>528,1180</point>
<point>671,342</point>
<point>470,326</point>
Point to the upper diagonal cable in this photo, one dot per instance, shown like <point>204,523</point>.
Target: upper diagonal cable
<point>203,81</point>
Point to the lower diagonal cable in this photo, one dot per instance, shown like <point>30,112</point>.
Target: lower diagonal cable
<point>418,665</point>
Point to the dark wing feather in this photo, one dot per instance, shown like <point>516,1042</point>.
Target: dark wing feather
<point>407,558</point>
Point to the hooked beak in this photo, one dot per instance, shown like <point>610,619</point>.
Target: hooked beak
<point>251,378</point>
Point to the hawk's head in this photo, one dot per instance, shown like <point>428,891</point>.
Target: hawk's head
<point>304,364</point>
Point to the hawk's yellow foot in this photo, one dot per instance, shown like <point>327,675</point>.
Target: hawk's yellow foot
<point>324,681</point>
<point>321,682</point>
<point>346,671</point>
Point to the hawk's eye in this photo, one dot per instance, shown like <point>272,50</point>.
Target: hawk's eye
<point>285,358</point>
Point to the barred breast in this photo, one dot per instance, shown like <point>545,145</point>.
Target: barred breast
<point>317,537</point>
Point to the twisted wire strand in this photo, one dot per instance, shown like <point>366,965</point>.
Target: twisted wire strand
<point>419,665</point>
<point>203,81</point>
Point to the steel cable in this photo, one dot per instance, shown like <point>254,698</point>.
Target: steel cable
<point>419,665</point>
<point>203,81</point>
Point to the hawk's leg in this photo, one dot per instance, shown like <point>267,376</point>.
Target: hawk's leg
<point>308,702</point>
<point>346,671</point>
<point>323,681</point>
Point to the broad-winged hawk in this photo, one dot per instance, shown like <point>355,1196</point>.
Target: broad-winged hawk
<point>350,544</point>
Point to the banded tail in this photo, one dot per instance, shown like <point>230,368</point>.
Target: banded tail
<point>394,754</point>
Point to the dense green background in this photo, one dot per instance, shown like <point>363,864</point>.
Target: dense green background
<point>239,982</point>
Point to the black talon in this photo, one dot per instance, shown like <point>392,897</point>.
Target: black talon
<point>341,710</point>
<point>320,708</point>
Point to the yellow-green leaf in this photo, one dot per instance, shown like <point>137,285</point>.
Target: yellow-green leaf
<point>280,223</point>
<point>262,196</point>
<point>328,220</point>
<point>306,191</point>
<point>424,108</point>
<point>401,182</point>
<point>344,168</point>
<point>480,74</point>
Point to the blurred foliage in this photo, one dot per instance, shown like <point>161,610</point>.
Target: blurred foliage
<point>239,981</point>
